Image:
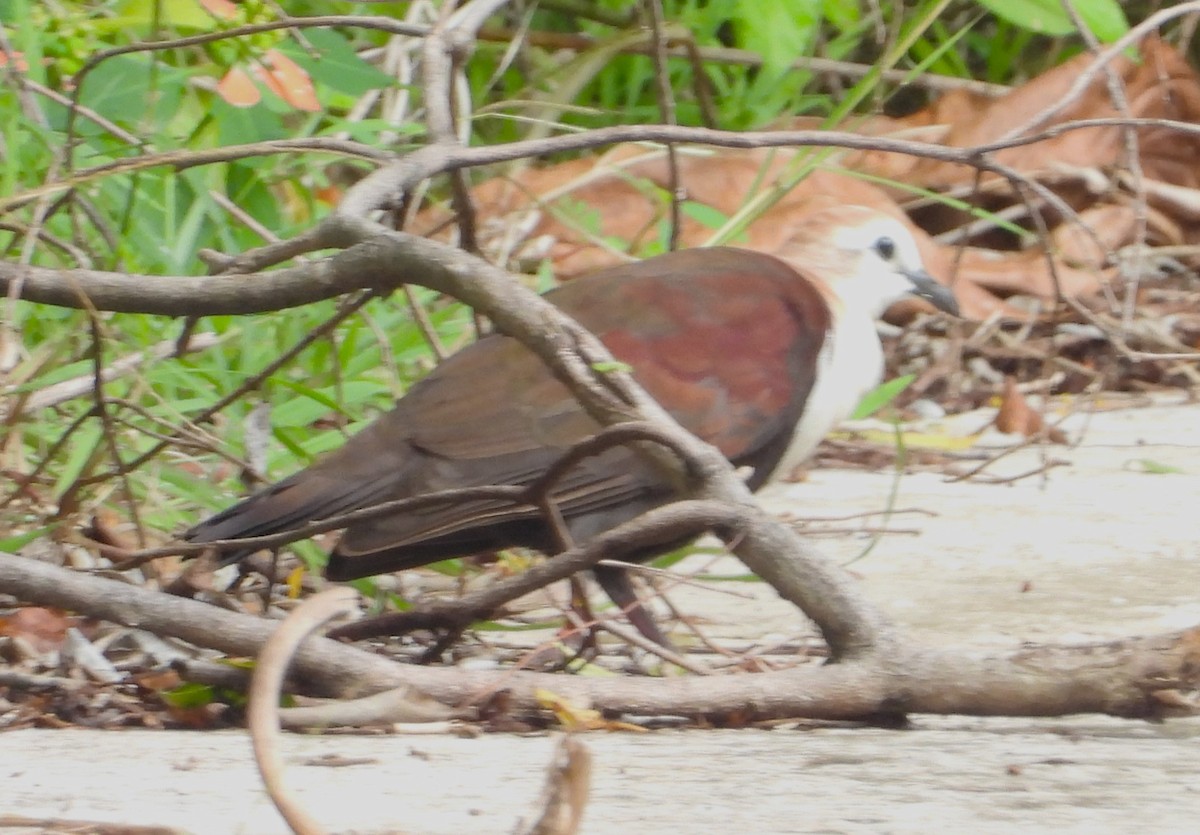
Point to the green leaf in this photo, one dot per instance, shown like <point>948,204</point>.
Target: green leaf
<point>316,403</point>
<point>54,375</point>
<point>132,90</point>
<point>881,396</point>
<point>1157,468</point>
<point>336,64</point>
<point>399,603</point>
<point>611,367</point>
<point>668,560</point>
<point>185,14</point>
<point>706,215</point>
<point>841,13</point>
<point>497,626</point>
<point>779,30</point>
<point>368,130</point>
<point>1104,18</point>
<point>244,125</point>
<point>313,557</point>
<point>190,694</point>
<point>11,544</point>
<point>447,568</point>
<point>291,444</point>
<point>82,446</point>
<point>729,578</point>
<point>308,446</point>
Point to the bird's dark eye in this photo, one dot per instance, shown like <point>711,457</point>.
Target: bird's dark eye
<point>886,248</point>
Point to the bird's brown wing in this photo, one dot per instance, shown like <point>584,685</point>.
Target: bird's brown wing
<point>489,415</point>
<point>725,339</point>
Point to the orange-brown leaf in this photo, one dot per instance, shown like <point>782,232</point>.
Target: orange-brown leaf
<point>238,88</point>
<point>18,60</point>
<point>1017,417</point>
<point>288,80</point>
<point>44,629</point>
<point>223,9</point>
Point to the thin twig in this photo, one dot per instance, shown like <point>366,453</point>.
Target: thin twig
<point>666,110</point>
<point>1132,271</point>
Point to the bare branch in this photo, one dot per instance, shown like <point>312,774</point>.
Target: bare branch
<point>263,712</point>
<point>1130,678</point>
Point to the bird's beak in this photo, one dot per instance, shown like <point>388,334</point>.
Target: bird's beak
<point>926,287</point>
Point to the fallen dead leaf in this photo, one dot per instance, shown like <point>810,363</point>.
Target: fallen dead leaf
<point>1017,417</point>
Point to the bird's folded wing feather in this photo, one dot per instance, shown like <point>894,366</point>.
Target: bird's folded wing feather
<point>725,339</point>
<point>732,368</point>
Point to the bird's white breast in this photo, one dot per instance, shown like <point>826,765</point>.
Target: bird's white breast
<point>850,365</point>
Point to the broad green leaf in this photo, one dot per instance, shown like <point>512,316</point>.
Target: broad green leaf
<point>309,446</point>
<point>48,378</point>
<point>292,443</point>
<point>131,90</point>
<point>497,626</point>
<point>779,30</point>
<point>313,557</point>
<point>336,64</point>
<point>708,216</point>
<point>668,560</point>
<point>244,125</point>
<point>1104,18</point>
<point>729,578</point>
<point>368,130</point>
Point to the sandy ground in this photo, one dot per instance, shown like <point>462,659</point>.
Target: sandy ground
<point>1098,547</point>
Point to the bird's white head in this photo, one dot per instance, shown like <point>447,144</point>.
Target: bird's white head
<point>868,260</point>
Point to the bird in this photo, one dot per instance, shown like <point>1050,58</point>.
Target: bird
<point>759,355</point>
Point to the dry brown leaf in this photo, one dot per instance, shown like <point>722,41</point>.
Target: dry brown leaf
<point>1017,417</point>
<point>565,796</point>
<point>44,629</point>
<point>107,528</point>
<point>1112,226</point>
<point>1161,85</point>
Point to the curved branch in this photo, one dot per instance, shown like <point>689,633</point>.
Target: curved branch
<point>663,524</point>
<point>262,714</point>
<point>381,187</point>
<point>1131,678</point>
